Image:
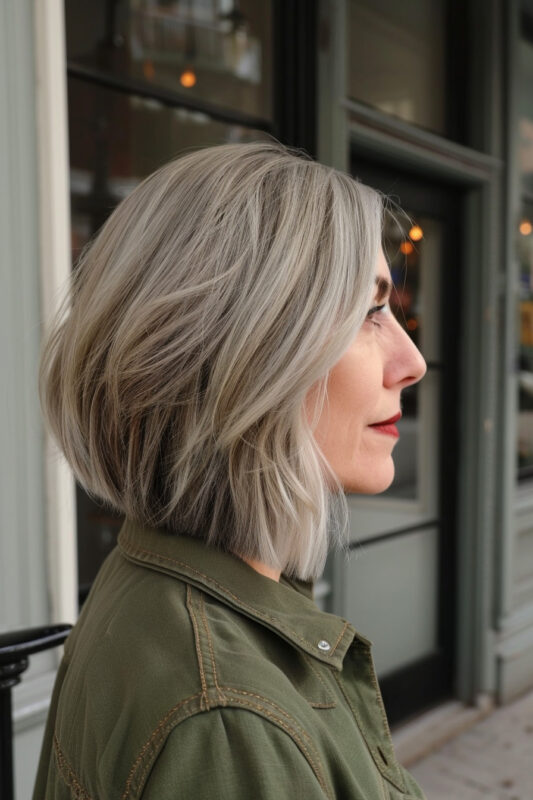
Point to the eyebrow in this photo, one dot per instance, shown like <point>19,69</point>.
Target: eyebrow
<point>383,288</point>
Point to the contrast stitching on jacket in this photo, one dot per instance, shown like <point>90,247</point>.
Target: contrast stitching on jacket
<point>382,786</point>
<point>68,774</point>
<point>269,702</point>
<point>266,700</point>
<point>205,697</point>
<point>341,634</point>
<point>331,704</point>
<point>293,734</point>
<point>141,551</point>
<point>380,701</point>
<point>355,712</point>
<point>372,750</point>
<point>167,723</point>
<point>312,759</point>
<point>158,732</point>
<point>211,648</point>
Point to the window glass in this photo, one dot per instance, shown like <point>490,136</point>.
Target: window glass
<point>217,51</point>
<point>525,95</point>
<point>413,248</point>
<point>396,58</point>
<point>525,343</point>
<point>115,140</point>
<point>524,253</point>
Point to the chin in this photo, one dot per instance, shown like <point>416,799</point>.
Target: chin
<point>371,482</point>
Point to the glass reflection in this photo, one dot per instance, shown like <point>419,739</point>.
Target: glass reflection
<point>213,50</point>
<point>525,125</point>
<point>525,343</point>
<point>117,139</point>
<point>396,59</point>
<point>411,247</point>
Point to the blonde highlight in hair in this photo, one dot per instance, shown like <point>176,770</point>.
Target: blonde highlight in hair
<point>216,295</point>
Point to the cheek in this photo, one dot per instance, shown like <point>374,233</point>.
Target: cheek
<point>352,391</point>
<point>346,411</point>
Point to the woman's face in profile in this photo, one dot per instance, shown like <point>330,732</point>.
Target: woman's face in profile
<point>356,431</point>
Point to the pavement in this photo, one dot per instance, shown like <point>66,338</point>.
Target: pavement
<point>492,760</point>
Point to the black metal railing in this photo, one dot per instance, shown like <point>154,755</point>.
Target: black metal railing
<point>15,649</point>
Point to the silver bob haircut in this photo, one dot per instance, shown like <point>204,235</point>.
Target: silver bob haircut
<point>214,298</point>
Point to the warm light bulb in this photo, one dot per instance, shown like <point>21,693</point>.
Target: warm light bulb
<point>148,69</point>
<point>416,233</point>
<point>187,78</point>
<point>525,227</point>
<point>406,248</point>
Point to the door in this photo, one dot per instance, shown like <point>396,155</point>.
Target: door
<point>399,582</point>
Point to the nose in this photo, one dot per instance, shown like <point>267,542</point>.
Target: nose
<point>405,363</point>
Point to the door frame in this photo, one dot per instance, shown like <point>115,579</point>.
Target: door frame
<point>477,170</point>
<point>430,680</point>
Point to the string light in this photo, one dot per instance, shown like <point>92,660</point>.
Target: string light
<point>148,69</point>
<point>188,78</point>
<point>416,233</point>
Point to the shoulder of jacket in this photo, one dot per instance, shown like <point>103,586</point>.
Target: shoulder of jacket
<point>244,739</point>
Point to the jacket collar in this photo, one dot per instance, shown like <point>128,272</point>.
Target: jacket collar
<point>286,607</point>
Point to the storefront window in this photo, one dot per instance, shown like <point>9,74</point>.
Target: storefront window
<point>216,51</point>
<point>525,344</point>
<point>413,248</point>
<point>397,59</point>
<point>148,81</point>
<point>116,139</point>
<point>524,251</point>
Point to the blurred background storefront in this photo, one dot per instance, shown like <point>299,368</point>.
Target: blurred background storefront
<point>430,101</point>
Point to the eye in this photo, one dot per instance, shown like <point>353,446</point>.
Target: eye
<point>376,312</point>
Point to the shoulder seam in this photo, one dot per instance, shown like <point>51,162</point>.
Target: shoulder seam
<point>235,698</point>
<point>159,733</point>
<point>289,725</point>
<point>295,733</point>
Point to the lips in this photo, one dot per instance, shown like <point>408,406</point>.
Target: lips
<point>390,421</point>
<point>387,426</point>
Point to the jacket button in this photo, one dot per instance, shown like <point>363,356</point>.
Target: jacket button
<point>323,645</point>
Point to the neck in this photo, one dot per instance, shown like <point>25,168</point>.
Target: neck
<point>263,569</point>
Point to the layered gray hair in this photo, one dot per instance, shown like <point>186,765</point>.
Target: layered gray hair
<point>216,296</point>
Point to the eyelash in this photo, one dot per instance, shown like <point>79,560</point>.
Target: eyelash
<point>377,310</point>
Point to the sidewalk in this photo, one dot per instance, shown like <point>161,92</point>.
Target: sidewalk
<point>492,760</point>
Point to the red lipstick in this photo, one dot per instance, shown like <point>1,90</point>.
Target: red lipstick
<point>387,426</point>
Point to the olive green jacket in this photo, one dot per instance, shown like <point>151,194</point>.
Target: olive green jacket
<point>189,675</point>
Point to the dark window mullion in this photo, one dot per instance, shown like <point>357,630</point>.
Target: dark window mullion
<point>167,97</point>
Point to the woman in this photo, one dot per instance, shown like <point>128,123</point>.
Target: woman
<point>228,367</point>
